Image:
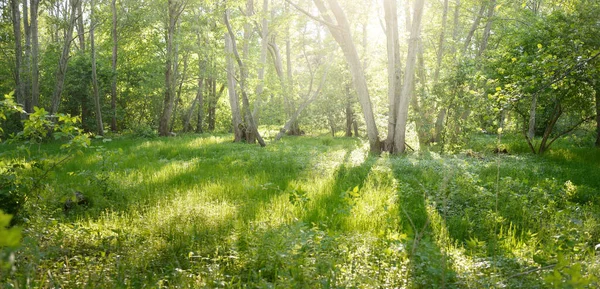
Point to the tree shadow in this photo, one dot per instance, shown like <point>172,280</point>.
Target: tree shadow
<point>429,266</point>
<point>333,206</point>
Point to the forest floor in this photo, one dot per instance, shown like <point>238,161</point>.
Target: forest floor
<point>312,212</point>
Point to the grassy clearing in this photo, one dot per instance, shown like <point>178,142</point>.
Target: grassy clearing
<point>199,211</point>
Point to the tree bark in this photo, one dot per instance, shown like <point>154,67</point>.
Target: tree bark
<point>212,105</point>
<point>64,58</point>
<point>488,27</point>
<point>16,21</point>
<point>99,124</point>
<point>474,26</point>
<point>80,27</point>
<point>290,92</point>
<point>439,123</point>
<point>252,128</point>
<point>174,8</point>
<point>421,112</point>
<point>263,61</point>
<point>394,68</point>
<point>532,111</point>
<point>236,119</point>
<point>179,89</point>
<point>341,33</point>
<point>294,118</point>
<point>26,76</point>
<point>556,113</point>
<point>35,47</point>
<point>440,52</point>
<point>190,112</point>
<point>409,74</point>
<point>251,125</point>
<point>113,86</point>
<point>597,87</point>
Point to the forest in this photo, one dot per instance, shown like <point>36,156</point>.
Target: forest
<point>299,144</point>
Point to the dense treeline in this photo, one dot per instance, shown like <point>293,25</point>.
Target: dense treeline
<point>441,68</point>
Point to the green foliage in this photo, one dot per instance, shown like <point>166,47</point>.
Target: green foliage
<point>22,173</point>
<point>10,238</point>
<point>201,211</point>
<point>8,106</point>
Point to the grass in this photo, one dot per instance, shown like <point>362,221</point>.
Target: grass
<point>312,212</point>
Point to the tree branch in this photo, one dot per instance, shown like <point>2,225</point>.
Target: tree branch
<point>329,24</point>
<point>571,129</point>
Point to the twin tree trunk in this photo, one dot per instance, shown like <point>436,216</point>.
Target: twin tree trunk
<point>232,46</point>
<point>64,58</point>
<point>175,9</point>
<point>394,68</point>
<point>340,30</point>
<point>409,75</point>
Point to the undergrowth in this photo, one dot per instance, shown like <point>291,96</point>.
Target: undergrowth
<point>199,211</point>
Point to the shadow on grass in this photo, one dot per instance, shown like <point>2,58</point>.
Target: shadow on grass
<point>428,266</point>
<point>334,206</point>
<point>164,168</point>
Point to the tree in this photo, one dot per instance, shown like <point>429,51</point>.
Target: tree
<point>251,125</point>
<point>35,46</point>
<point>64,58</point>
<point>409,74</point>
<point>16,20</point>
<point>113,86</point>
<point>175,8</point>
<point>340,30</point>
<point>100,126</point>
<point>236,119</point>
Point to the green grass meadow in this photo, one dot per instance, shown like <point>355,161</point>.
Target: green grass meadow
<point>198,211</point>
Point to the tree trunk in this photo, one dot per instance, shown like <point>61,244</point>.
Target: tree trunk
<point>80,27</point>
<point>252,128</point>
<point>474,26</point>
<point>440,52</point>
<point>532,111</point>
<point>64,58</point>
<point>597,87</point>
<point>174,12</point>
<point>26,76</point>
<point>341,33</point>
<point>190,112</point>
<point>294,118</point>
<point>488,27</point>
<point>16,21</point>
<point>179,88</point>
<point>439,123</point>
<point>409,75</point>
<point>236,119</point>
<point>557,112</point>
<point>394,68</point>
<point>263,61</point>
<point>113,86</point>
<point>99,123</point>
<point>331,124</point>
<point>422,113</point>
<point>349,118</point>
<point>35,47</point>
<point>295,128</point>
